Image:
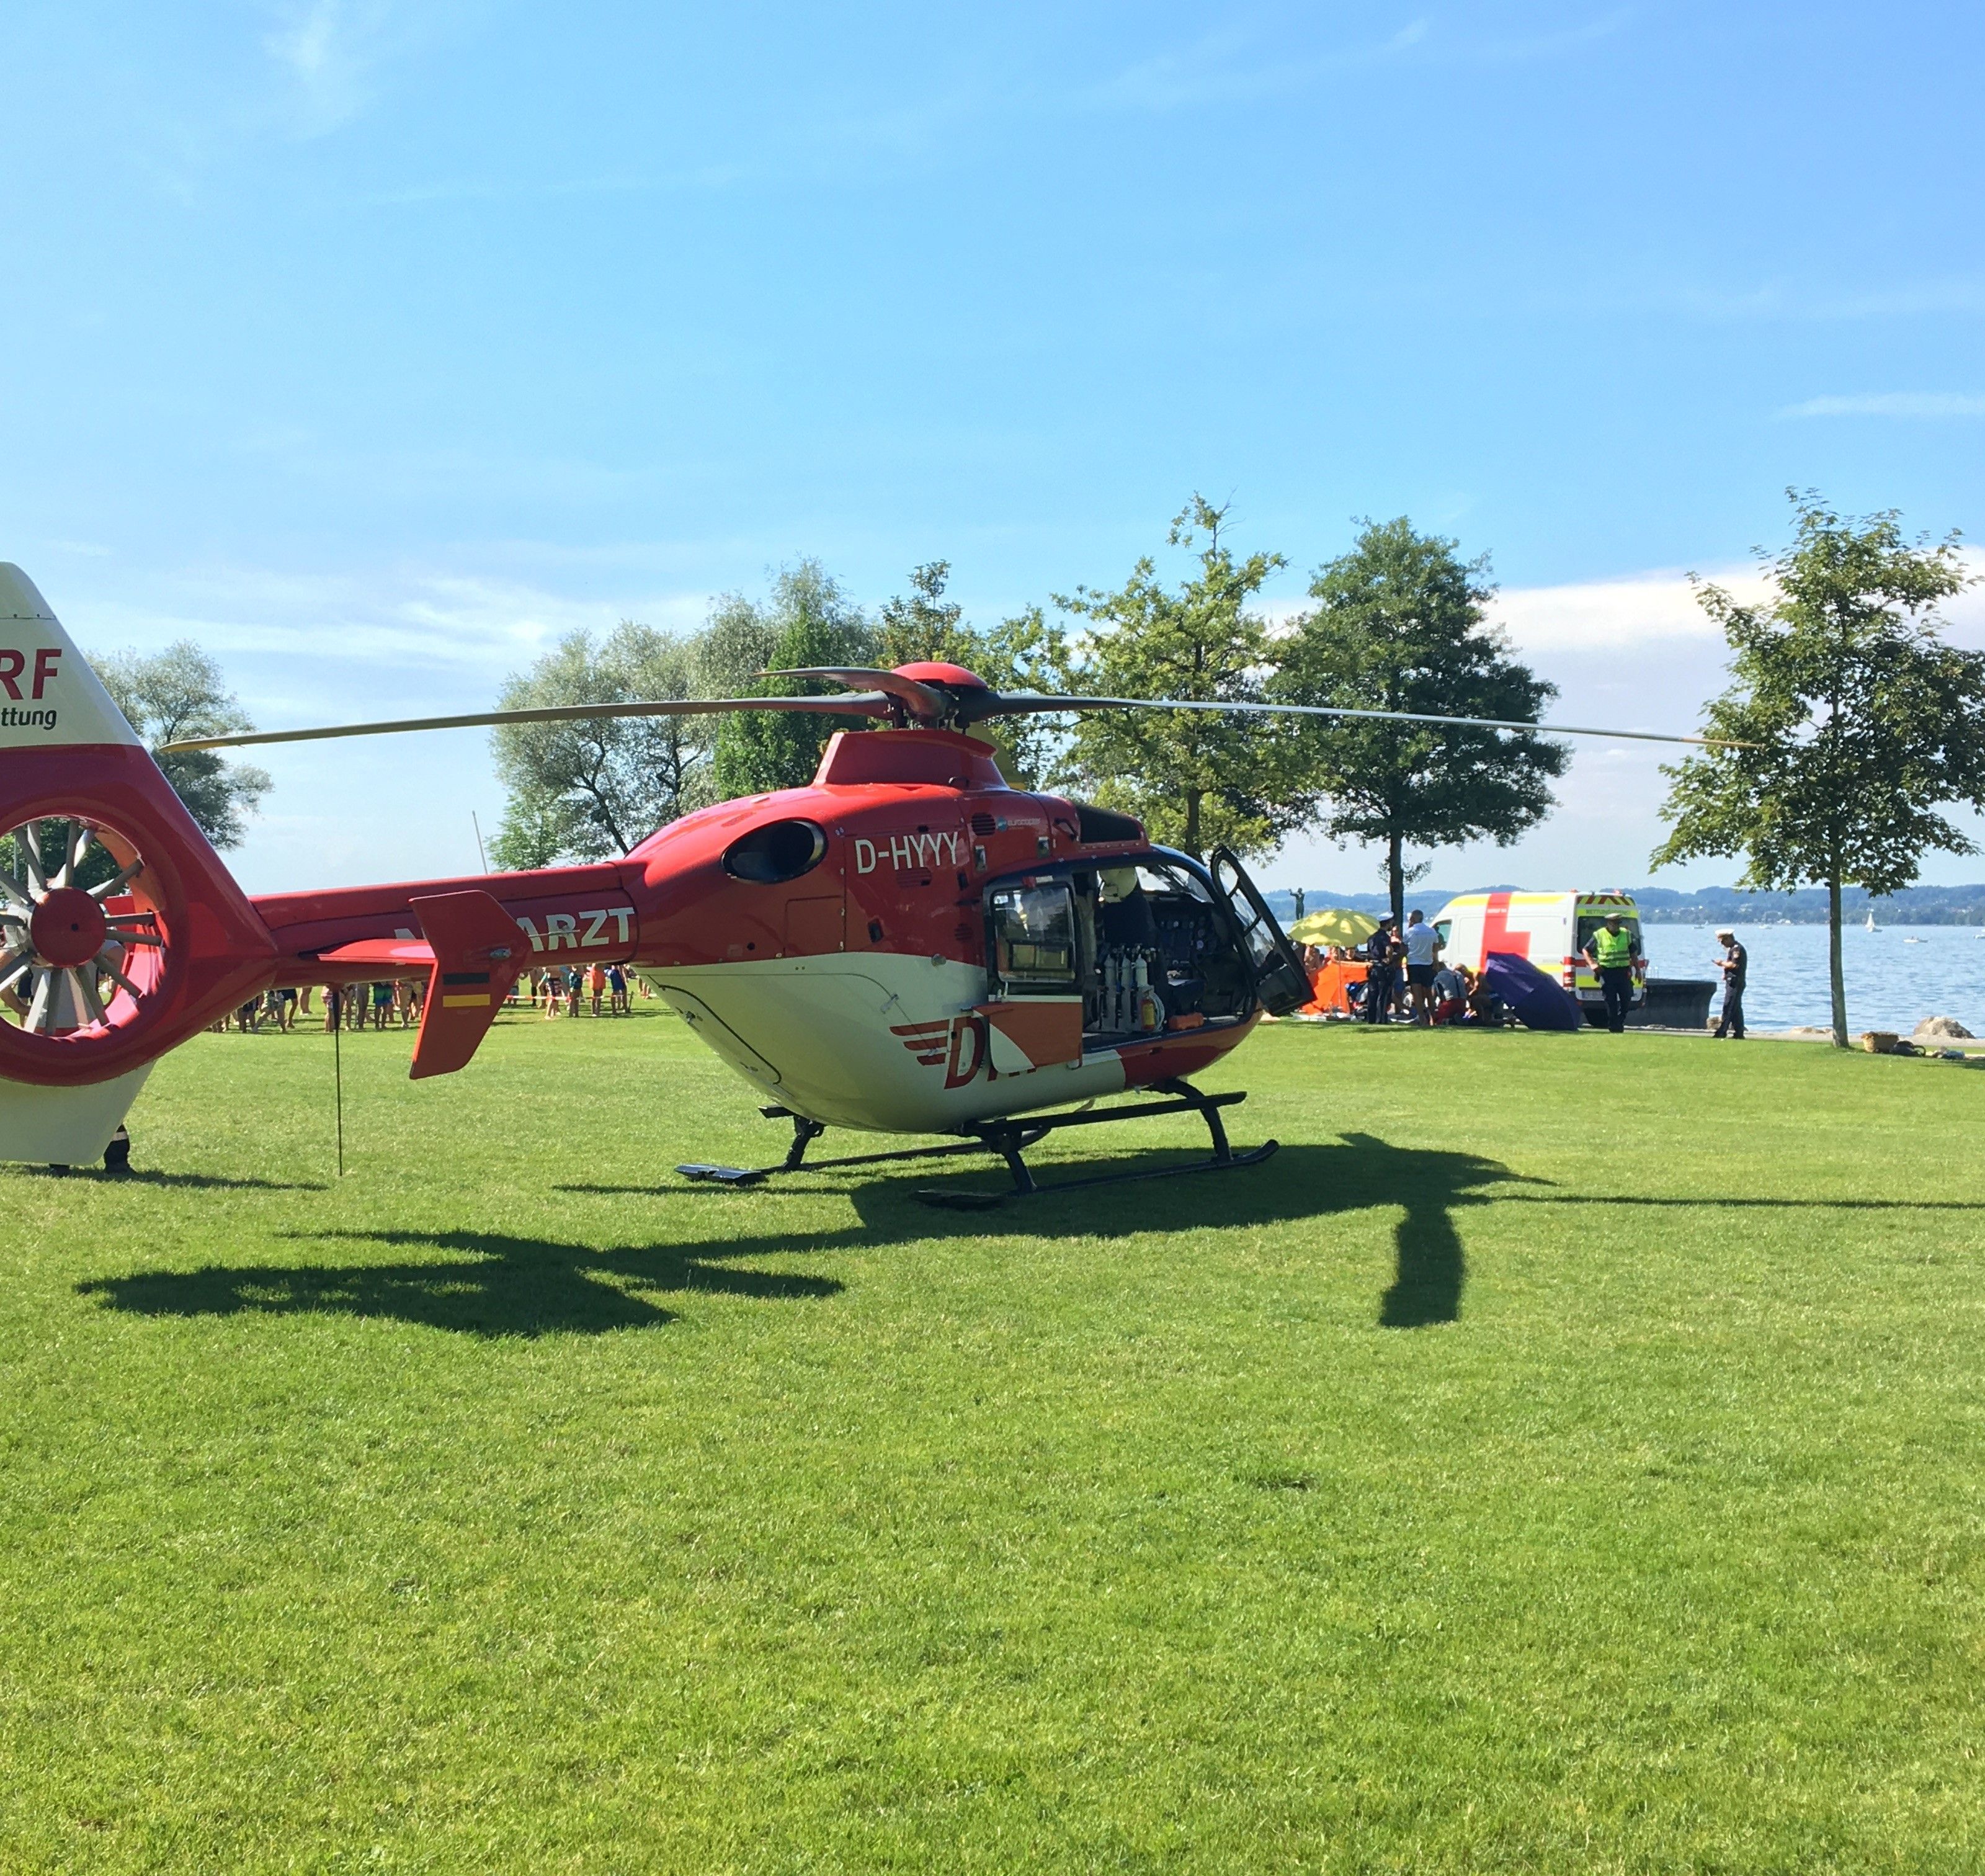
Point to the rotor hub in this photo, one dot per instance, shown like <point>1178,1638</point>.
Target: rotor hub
<point>69,928</point>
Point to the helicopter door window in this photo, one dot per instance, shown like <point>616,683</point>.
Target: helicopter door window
<point>1033,940</point>
<point>1279,980</point>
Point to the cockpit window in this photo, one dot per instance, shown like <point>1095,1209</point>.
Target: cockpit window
<point>1173,879</point>
<point>1033,938</point>
<point>779,851</point>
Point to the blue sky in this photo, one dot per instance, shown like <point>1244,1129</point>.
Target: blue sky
<point>372,345</point>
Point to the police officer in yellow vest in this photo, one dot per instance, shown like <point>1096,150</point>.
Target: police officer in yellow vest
<point>1611,952</point>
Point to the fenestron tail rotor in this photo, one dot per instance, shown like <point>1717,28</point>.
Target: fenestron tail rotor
<point>68,952</point>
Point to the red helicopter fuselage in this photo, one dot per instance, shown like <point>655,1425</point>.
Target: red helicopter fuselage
<point>906,944</point>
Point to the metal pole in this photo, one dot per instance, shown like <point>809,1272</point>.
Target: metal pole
<point>337,1073</point>
<point>481,852</point>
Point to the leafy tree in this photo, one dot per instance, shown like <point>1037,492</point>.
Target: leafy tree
<point>537,830</point>
<point>1400,624</point>
<point>600,785</point>
<point>734,646</point>
<point>1198,779</point>
<point>179,692</point>
<point>925,627</point>
<point>809,621</point>
<point>1017,653</point>
<point>1858,721</point>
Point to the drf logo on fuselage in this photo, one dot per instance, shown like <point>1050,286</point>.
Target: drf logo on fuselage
<point>13,664</point>
<point>563,931</point>
<point>908,852</point>
<point>960,1044</point>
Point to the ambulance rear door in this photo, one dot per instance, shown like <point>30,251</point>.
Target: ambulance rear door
<point>1591,915</point>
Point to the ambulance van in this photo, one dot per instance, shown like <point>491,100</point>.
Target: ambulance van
<point>1550,929</point>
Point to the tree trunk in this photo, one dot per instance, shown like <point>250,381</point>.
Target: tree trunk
<point>1192,801</point>
<point>1838,982</point>
<point>1395,879</point>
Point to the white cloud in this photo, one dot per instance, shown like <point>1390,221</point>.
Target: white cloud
<point>1641,610</point>
<point>328,52</point>
<point>1647,610</point>
<point>454,632</point>
<point>1931,404</point>
<point>1594,615</point>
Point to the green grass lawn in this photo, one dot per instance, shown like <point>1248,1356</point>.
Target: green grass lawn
<point>1566,1455</point>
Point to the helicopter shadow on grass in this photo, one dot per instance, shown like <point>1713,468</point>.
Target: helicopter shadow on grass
<point>493,1284</point>
<point>477,1282</point>
<point>1301,1181</point>
<point>194,1181</point>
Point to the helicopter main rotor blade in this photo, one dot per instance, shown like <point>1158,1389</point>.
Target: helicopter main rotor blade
<point>1008,705</point>
<point>895,693</point>
<point>872,704</point>
<point>920,700</point>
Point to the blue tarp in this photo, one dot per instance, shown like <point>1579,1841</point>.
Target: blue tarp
<point>1529,995</point>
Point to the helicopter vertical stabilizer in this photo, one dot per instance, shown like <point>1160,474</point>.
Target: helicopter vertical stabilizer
<point>49,697</point>
<point>121,932</point>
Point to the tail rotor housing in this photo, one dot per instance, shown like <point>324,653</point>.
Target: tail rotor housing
<point>121,932</point>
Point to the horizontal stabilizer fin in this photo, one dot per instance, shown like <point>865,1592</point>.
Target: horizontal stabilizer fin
<point>478,949</point>
<point>405,957</point>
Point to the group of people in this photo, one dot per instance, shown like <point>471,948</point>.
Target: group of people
<point>346,1006</point>
<point>1406,980</point>
<point>558,991</point>
<point>563,990</point>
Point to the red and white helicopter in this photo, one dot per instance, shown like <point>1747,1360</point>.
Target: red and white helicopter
<point>905,945</point>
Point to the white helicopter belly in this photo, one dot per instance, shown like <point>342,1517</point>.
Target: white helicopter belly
<point>872,1040</point>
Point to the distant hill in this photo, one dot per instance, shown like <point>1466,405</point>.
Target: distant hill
<point>1920,905</point>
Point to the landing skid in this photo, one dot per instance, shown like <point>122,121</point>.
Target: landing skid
<point>1009,1140</point>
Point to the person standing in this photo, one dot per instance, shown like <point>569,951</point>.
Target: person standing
<point>1422,944</point>
<point>1734,963</point>
<point>1611,951</point>
<point>1378,973</point>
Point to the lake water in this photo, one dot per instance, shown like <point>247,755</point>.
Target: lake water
<point>1896,976</point>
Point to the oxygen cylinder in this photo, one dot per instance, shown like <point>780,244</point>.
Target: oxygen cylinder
<point>1151,1011</point>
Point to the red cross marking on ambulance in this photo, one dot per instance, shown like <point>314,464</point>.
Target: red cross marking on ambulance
<point>1497,935</point>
